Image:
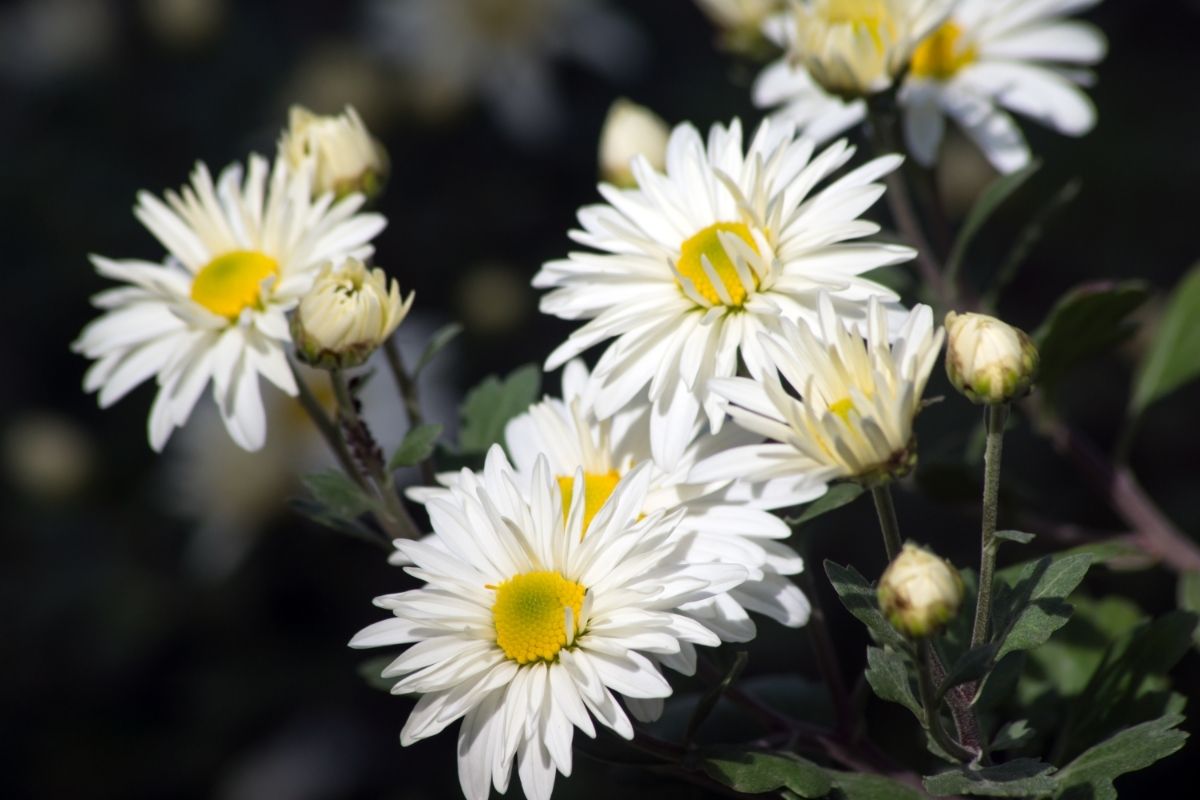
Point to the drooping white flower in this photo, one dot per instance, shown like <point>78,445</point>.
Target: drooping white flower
<point>528,624</point>
<point>346,157</point>
<point>630,130</point>
<point>241,253</point>
<point>694,264</point>
<point>851,405</point>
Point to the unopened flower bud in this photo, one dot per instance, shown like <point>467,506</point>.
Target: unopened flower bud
<point>741,23</point>
<point>348,313</point>
<point>989,361</point>
<point>919,592</point>
<point>630,130</point>
<point>344,156</point>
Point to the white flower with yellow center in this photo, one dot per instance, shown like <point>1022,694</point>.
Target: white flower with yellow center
<point>697,262</point>
<point>241,254</point>
<point>345,157</point>
<point>848,407</point>
<point>528,623</point>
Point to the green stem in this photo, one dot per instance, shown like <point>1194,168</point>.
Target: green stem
<point>929,702</point>
<point>409,393</point>
<point>996,416</point>
<point>329,431</point>
<point>888,524</point>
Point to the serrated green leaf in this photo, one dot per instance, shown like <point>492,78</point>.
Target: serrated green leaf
<point>971,666</point>
<point>1087,320</point>
<point>754,772</point>
<point>490,405</point>
<point>1021,777</point>
<point>887,673</point>
<point>1091,775</point>
<point>862,786</point>
<point>839,494</point>
<point>338,493</point>
<point>1031,604</point>
<point>1187,593</point>
<point>441,337</point>
<point>708,700</point>
<point>417,446</point>
<point>1012,735</point>
<point>323,517</point>
<point>859,599</point>
<point>1171,361</point>
<point>991,199</point>
<point>1020,537</point>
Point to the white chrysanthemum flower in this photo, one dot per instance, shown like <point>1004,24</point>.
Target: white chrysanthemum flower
<point>993,55</point>
<point>241,254</point>
<point>345,157</point>
<point>526,626</point>
<point>630,130</point>
<point>696,263</point>
<point>851,404</point>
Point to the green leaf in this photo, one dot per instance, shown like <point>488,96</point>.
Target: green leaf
<point>1187,592</point>
<point>491,404</point>
<point>323,517</point>
<point>991,199</point>
<point>1171,360</point>
<point>442,337</point>
<point>1020,777</point>
<point>1087,320</point>
<point>862,786</point>
<point>753,772</point>
<point>1026,239</point>
<point>1020,537</point>
<point>1091,775</point>
<point>709,700</point>
<point>839,494</point>
<point>887,672</point>
<point>1012,735</point>
<point>1031,604</point>
<point>338,493</point>
<point>417,446</point>
<point>971,666</point>
<point>859,599</point>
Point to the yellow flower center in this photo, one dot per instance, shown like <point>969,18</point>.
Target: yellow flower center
<point>863,15</point>
<point>230,282</point>
<point>842,408</point>
<point>707,244</point>
<point>597,488</point>
<point>941,55</point>
<point>530,615</point>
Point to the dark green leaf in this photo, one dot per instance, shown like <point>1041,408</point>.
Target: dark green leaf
<point>1020,777</point>
<point>972,666</point>
<point>839,494</point>
<point>1012,735</point>
<point>338,494</point>
<point>755,773</point>
<point>1087,320</point>
<point>709,700</point>
<point>861,786</point>
<point>1187,591</point>
<point>887,672</point>
<point>442,337</point>
<point>417,446</point>
<point>859,599</point>
<point>322,516</point>
<point>1172,360</point>
<point>1032,604</point>
<point>992,197</point>
<point>1020,537</point>
<point>1091,775</point>
<point>1025,241</point>
<point>491,404</point>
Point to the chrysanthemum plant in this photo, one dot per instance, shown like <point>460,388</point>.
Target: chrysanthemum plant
<point>584,551</point>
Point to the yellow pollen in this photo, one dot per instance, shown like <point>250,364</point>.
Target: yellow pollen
<point>842,408</point>
<point>941,55</point>
<point>530,615</point>
<point>597,488</point>
<point>707,243</point>
<point>863,15</point>
<point>230,282</point>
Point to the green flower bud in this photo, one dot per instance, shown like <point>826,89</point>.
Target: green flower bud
<point>919,592</point>
<point>988,360</point>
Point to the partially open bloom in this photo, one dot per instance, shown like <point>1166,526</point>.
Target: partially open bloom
<point>345,157</point>
<point>851,405</point>
<point>858,47</point>
<point>695,263</point>
<point>241,254</point>
<point>630,130</point>
<point>919,592</point>
<point>529,621</point>
<point>987,359</point>
<point>347,314</point>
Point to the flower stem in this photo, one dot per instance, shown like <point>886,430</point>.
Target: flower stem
<point>995,416</point>
<point>929,702</point>
<point>409,393</point>
<point>328,430</point>
<point>888,524</point>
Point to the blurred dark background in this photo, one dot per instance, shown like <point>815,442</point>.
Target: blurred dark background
<point>170,632</point>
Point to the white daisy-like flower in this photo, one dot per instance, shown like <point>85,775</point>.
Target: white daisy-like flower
<point>992,55</point>
<point>528,624</point>
<point>241,254</point>
<point>848,405</point>
<point>697,262</point>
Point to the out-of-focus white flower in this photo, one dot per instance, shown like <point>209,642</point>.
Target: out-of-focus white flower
<point>184,23</point>
<point>631,130</point>
<point>345,157</point>
<point>741,21</point>
<point>694,264</point>
<point>42,40</point>
<point>216,310</point>
<point>501,51</point>
<point>987,359</point>
<point>529,622</point>
<point>919,592</point>
<point>850,408</point>
<point>47,455</point>
<point>348,313</point>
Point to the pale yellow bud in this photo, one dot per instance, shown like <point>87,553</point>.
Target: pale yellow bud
<point>344,157</point>
<point>631,130</point>
<point>348,313</point>
<point>741,22</point>
<point>988,360</point>
<point>919,592</point>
